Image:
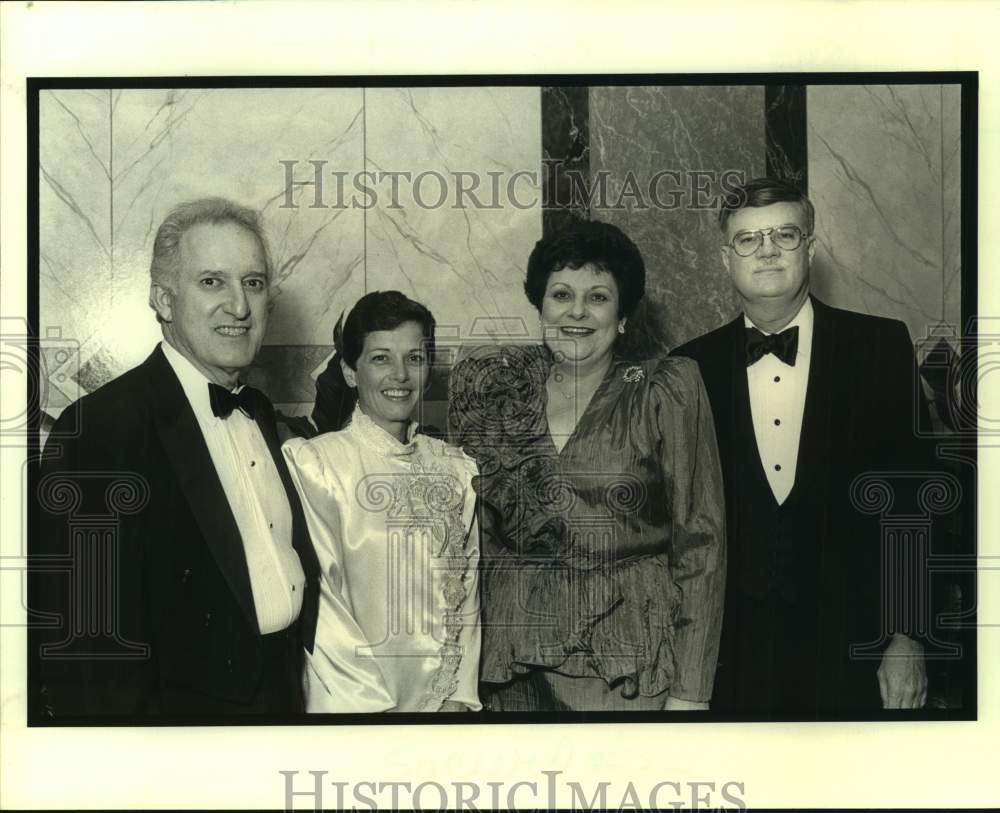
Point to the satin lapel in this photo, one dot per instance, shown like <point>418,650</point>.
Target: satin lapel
<point>816,437</point>
<point>738,395</point>
<point>300,535</point>
<point>192,464</point>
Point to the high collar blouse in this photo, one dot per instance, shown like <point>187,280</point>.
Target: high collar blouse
<point>393,526</point>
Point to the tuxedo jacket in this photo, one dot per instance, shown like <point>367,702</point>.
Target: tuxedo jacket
<point>139,571</point>
<point>806,579</point>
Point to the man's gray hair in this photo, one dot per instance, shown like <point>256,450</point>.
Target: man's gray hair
<point>184,216</point>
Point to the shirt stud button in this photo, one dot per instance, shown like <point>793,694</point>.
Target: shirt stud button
<point>777,467</point>
<point>777,421</point>
<point>253,463</point>
<point>777,378</point>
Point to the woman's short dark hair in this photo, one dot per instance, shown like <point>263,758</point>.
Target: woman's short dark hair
<point>602,245</point>
<point>380,310</point>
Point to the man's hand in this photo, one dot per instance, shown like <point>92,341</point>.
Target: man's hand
<point>902,676</point>
<point>676,704</point>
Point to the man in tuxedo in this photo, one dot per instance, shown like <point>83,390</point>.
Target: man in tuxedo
<point>805,398</point>
<point>174,569</point>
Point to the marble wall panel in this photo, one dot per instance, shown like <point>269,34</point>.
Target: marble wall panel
<point>951,157</point>
<point>884,173</point>
<point>699,133</point>
<point>465,262</point>
<point>113,162</point>
<point>884,168</point>
<point>75,258</point>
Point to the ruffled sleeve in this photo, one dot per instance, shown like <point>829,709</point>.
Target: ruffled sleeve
<point>336,679</point>
<point>690,460</point>
<point>470,637</point>
<point>456,677</point>
<point>494,398</point>
<point>496,416</point>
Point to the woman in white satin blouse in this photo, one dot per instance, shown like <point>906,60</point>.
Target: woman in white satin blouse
<point>391,514</point>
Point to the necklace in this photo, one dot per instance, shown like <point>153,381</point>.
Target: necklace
<point>580,389</point>
<point>554,385</point>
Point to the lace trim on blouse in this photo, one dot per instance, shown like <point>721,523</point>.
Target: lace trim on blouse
<point>434,498</point>
<point>378,440</point>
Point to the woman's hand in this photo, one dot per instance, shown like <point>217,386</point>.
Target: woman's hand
<point>676,704</point>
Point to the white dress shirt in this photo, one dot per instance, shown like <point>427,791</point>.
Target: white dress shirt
<point>256,497</point>
<point>777,401</point>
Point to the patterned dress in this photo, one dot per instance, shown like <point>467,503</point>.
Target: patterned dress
<point>393,526</point>
<point>604,560</point>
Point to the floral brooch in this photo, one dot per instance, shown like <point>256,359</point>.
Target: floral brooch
<point>633,374</point>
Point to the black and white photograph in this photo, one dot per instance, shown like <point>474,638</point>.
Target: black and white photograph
<point>363,407</point>
<point>504,398</point>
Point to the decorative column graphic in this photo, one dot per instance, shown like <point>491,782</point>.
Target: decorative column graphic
<point>93,623</point>
<point>907,559</point>
<point>422,554</point>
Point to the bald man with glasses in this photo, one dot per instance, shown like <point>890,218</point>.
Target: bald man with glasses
<point>805,397</point>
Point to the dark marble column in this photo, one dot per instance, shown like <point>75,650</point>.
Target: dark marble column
<point>785,127</point>
<point>565,155</point>
<point>660,157</point>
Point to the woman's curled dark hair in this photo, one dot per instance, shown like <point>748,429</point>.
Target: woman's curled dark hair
<point>602,245</point>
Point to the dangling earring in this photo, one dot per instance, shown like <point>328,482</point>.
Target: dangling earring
<point>621,327</point>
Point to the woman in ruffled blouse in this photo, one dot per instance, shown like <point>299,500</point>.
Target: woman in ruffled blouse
<point>390,513</point>
<point>603,560</point>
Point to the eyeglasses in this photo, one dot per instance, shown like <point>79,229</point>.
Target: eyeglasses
<point>787,238</point>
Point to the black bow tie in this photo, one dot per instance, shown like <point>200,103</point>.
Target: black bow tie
<point>784,345</point>
<point>224,402</point>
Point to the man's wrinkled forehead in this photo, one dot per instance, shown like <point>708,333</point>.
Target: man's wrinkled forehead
<point>222,246</point>
<point>781,213</point>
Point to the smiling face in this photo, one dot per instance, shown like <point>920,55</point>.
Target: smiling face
<point>580,313</point>
<point>391,376</point>
<point>770,274</point>
<point>214,308</point>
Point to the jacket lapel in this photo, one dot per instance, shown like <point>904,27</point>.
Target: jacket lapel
<point>197,479</point>
<point>814,439</point>
<point>738,392</point>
